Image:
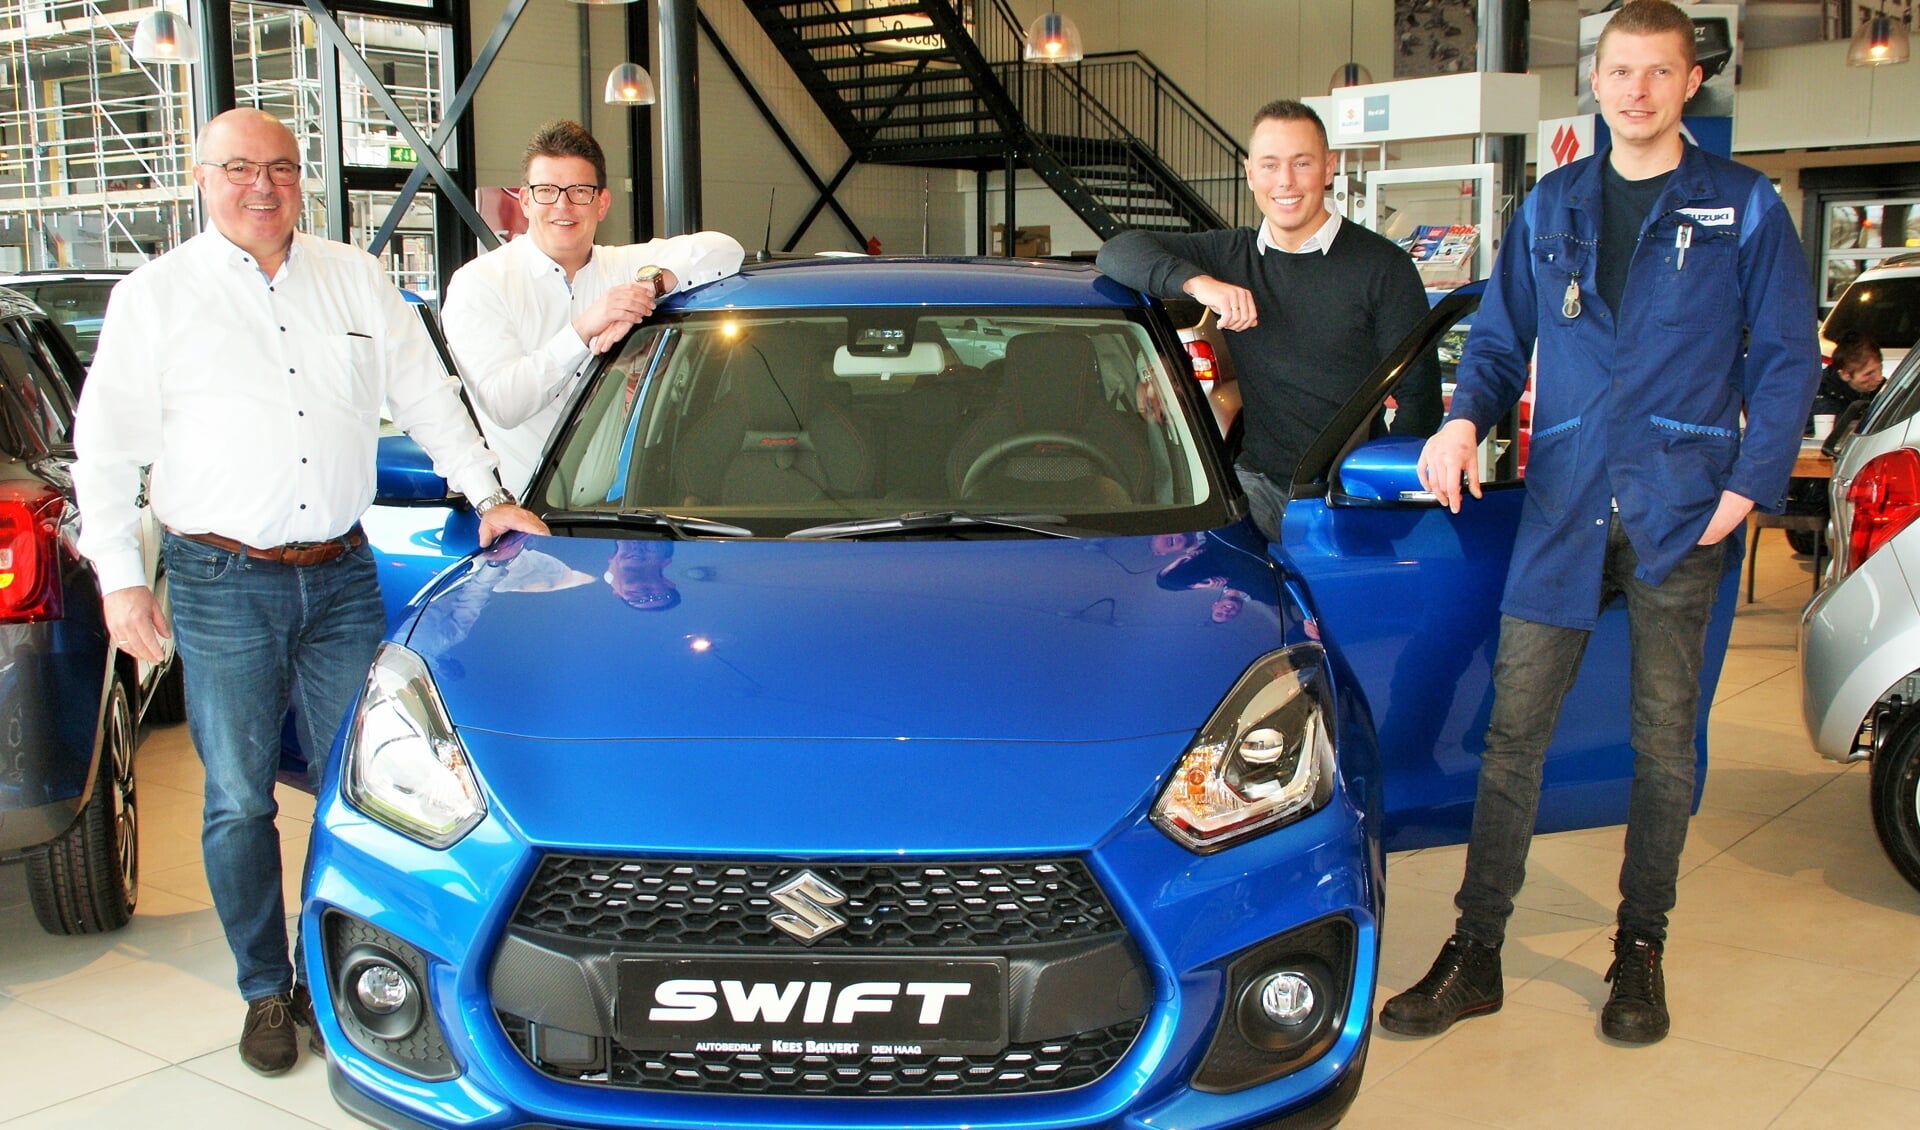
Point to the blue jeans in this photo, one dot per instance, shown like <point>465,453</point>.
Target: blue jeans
<point>256,637</point>
<point>1532,672</point>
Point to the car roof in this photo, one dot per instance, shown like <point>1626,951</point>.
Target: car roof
<point>829,283</point>
<point>1902,264</point>
<point>88,274</point>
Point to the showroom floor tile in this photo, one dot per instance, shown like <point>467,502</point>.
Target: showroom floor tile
<point>1794,966</point>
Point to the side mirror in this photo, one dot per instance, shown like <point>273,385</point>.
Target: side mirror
<point>404,474</point>
<point>1381,473</point>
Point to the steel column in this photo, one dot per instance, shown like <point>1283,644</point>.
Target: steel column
<point>680,114</point>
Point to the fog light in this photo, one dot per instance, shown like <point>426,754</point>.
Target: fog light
<point>381,993</point>
<point>1287,998</point>
<point>1285,1005</point>
<point>382,988</point>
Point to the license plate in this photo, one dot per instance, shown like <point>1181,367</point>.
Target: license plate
<point>844,1006</point>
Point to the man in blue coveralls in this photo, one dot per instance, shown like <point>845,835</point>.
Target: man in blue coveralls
<point>1636,272</point>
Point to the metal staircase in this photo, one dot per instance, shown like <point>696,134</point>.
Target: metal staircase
<point>932,82</point>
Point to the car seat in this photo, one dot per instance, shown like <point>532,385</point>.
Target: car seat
<point>772,434</point>
<point>1050,435</point>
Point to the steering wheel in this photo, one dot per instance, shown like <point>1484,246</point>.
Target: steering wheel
<point>993,456</point>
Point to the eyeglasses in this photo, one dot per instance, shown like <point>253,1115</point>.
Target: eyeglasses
<point>577,193</point>
<point>282,173</point>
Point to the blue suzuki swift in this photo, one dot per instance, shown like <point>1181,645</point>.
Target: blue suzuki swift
<point>903,726</point>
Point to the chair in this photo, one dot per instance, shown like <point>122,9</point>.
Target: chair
<point>1050,435</point>
<point>1817,523</point>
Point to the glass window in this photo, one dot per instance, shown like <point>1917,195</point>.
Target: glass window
<point>1887,309</point>
<point>38,413</point>
<point>779,420</point>
<point>1861,233</point>
<point>409,256</point>
<point>78,308</point>
<point>412,62</point>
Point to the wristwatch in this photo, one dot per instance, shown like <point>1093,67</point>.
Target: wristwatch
<point>499,497</point>
<point>652,275</point>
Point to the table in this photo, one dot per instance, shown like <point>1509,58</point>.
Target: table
<point>1811,463</point>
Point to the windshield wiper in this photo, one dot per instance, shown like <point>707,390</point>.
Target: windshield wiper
<point>684,527</point>
<point>928,520</point>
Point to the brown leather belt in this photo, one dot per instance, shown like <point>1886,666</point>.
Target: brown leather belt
<point>292,553</point>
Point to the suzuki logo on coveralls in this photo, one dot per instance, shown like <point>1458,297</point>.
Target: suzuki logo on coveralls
<point>808,900</point>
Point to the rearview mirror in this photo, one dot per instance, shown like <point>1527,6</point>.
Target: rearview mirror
<point>404,475</point>
<point>1383,472</point>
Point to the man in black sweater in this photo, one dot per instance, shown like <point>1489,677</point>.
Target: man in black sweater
<point>1314,303</point>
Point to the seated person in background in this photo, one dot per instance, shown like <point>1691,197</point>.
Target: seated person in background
<point>1846,389</point>
<point>1849,382</point>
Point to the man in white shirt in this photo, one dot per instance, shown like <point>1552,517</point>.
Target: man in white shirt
<point>524,318</point>
<point>247,368</point>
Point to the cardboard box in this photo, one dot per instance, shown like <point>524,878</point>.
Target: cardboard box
<point>1028,243</point>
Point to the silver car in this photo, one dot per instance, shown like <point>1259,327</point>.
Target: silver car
<point>1860,638</point>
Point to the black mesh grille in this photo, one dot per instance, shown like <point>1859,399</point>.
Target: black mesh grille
<point>673,903</point>
<point>1052,1065</point>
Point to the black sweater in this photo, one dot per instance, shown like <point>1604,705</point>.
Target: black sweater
<point>1325,322</point>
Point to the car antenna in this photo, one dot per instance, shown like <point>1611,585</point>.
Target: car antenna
<point>766,246</point>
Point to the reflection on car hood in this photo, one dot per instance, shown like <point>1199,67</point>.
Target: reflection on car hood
<point>852,696</point>
<point>1089,640</point>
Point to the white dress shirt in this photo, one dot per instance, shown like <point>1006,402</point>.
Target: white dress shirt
<point>509,316</point>
<point>1321,240</point>
<point>256,402</point>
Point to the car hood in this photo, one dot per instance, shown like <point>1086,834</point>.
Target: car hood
<point>1036,640</point>
<point>681,684</point>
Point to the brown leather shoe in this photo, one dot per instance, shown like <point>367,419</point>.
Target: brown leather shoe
<point>303,1016</point>
<point>267,1039</point>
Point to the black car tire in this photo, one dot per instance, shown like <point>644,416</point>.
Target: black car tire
<point>169,702</point>
<point>1896,797</point>
<point>1802,541</point>
<point>86,881</point>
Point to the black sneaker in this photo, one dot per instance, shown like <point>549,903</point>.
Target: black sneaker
<point>1636,1010</point>
<point>266,1040</point>
<point>1464,981</point>
<point>303,1016</point>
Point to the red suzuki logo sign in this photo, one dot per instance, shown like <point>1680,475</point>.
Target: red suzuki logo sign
<point>1564,140</point>
<point>1566,145</point>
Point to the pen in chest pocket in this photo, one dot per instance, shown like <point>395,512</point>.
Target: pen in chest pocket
<point>1682,239</point>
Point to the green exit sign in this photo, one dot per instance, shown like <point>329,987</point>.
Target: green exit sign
<point>400,154</point>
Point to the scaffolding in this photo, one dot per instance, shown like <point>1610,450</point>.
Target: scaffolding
<point>96,148</point>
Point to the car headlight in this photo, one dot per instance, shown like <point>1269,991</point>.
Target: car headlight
<point>1264,759</point>
<point>405,767</point>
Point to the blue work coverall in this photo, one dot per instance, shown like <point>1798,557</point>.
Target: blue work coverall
<point>1642,405</point>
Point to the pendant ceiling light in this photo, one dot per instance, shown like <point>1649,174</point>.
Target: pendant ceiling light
<point>1878,41</point>
<point>1053,38</point>
<point>162,37</point>
<point>1350,73</point>
<point>628,85</point>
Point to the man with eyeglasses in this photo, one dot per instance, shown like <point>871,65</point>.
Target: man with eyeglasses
<point>524,318</point>
<point>247,368</point>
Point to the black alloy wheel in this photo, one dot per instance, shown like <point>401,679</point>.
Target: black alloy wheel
<point>1896,796</point>
<point>87,880</point>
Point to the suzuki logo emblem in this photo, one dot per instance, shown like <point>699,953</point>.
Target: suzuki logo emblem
<point>1566,144</point>
<point>808,901</point>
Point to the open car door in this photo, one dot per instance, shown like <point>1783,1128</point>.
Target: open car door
<point>1407,596</point>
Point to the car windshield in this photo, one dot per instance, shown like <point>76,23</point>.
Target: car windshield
<point>1886,309</point>
<point>781,421</point>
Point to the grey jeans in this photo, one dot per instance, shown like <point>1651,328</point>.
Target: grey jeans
<point>1265,500</point>
<point>1534,669</point>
